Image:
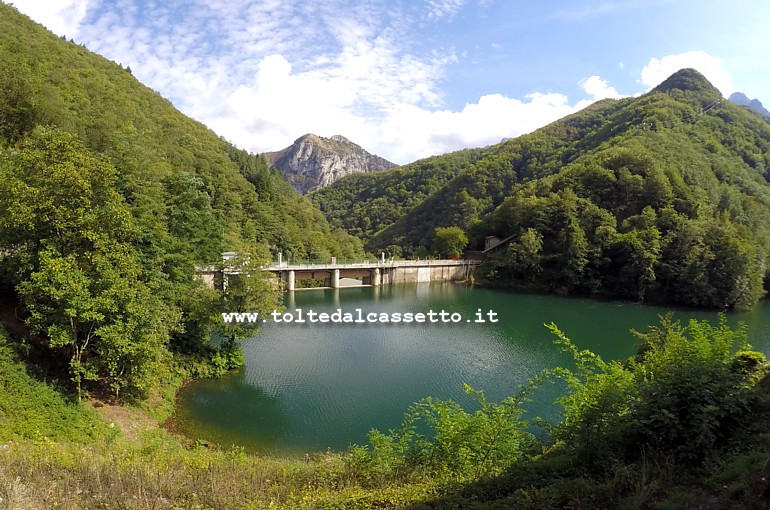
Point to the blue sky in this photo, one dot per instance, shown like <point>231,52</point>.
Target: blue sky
<point>408,79</point>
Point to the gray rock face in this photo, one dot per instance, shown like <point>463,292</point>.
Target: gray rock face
<point>753,104</point>
<point>314,162</point>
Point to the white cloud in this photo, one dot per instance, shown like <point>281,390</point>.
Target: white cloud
<point>281,105</point>
<point>599,88</point>
<point>62,17</point>
<point>263,72</point>
<point>657,70</point>
<point>444,8</point>
<point>265,78</point>
<point>408,130</point>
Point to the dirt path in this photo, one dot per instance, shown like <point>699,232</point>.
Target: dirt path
<point>131,421</point>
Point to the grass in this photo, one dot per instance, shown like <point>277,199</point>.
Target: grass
<point>157,472</point>
<point>33,409</point>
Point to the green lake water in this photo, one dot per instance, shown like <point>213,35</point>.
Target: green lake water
<point>311,387</point>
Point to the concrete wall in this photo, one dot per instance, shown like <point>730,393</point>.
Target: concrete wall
<point>209,278</point>
<point>381,275</point>
<point>396,275</point>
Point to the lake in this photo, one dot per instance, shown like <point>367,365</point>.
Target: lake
<point>309,387</point>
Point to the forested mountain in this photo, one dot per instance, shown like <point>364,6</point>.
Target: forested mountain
<point>668,201</point>
<point>364,204</point>
<point>663,197</point>
<point>401,204</point>
<point>313,162</point>
<point>111,197</point>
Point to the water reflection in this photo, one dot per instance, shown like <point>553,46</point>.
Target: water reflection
<point>230,411</point>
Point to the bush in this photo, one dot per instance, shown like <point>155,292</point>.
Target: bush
<point>458,446</point>
<point>679,395</point>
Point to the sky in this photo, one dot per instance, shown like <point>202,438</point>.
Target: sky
<point>407,79</point>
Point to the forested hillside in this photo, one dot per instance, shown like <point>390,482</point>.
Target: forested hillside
<point>663,197</point>
<point>668,203</point>
<point>364,204</point>
<point>111,197</point>
<point>404,205</point>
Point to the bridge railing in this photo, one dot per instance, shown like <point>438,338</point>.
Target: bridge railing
<point>369,262</point>
<point>324,262</point>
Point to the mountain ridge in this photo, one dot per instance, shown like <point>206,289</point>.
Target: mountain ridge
<point>642,198</point>
<point>754,105</point>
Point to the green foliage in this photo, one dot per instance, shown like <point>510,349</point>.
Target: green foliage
<point>228,357</point>
<point>18,115</point>
<point>448,242</point>
<point>393,251</point>
<point>480,185</point>
<point>681,395</point>
<point>421,252</point>
<point>458,445</point>
<point>653,215</point>
<point>69,235</point>
<point>286,221</point>
<point>365,203</point>
<point>112,199</point>
<point>661,198</point>
<point>309,283</point>
<point>31,409</point>
<point>247,289</point>
<point>524,255</point>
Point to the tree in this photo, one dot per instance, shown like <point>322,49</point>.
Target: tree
<point>190,217</point>
<point>246,289</point>
<point>449,242</point>
<point>680,395</point>
<point>394,251</point>
<point>69,235</point>
<point>525,254</point>
<point>93,305</point>
<point>18,112</point>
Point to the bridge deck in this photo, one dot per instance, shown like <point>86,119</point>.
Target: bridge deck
<point>368,265</point>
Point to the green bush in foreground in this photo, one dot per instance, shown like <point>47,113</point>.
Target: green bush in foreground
<point>682,394</point>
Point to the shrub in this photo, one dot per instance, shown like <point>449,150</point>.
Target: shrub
<point>678,395</point>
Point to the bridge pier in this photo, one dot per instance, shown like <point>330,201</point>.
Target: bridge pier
<point>290,281</point>
<point>376,277</point>
<point>335,278</point>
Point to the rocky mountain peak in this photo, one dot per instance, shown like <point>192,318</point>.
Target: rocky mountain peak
<point>742,99</point>
<point>313,162</point>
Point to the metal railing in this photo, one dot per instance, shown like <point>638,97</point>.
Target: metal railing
<point>362,263</point>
